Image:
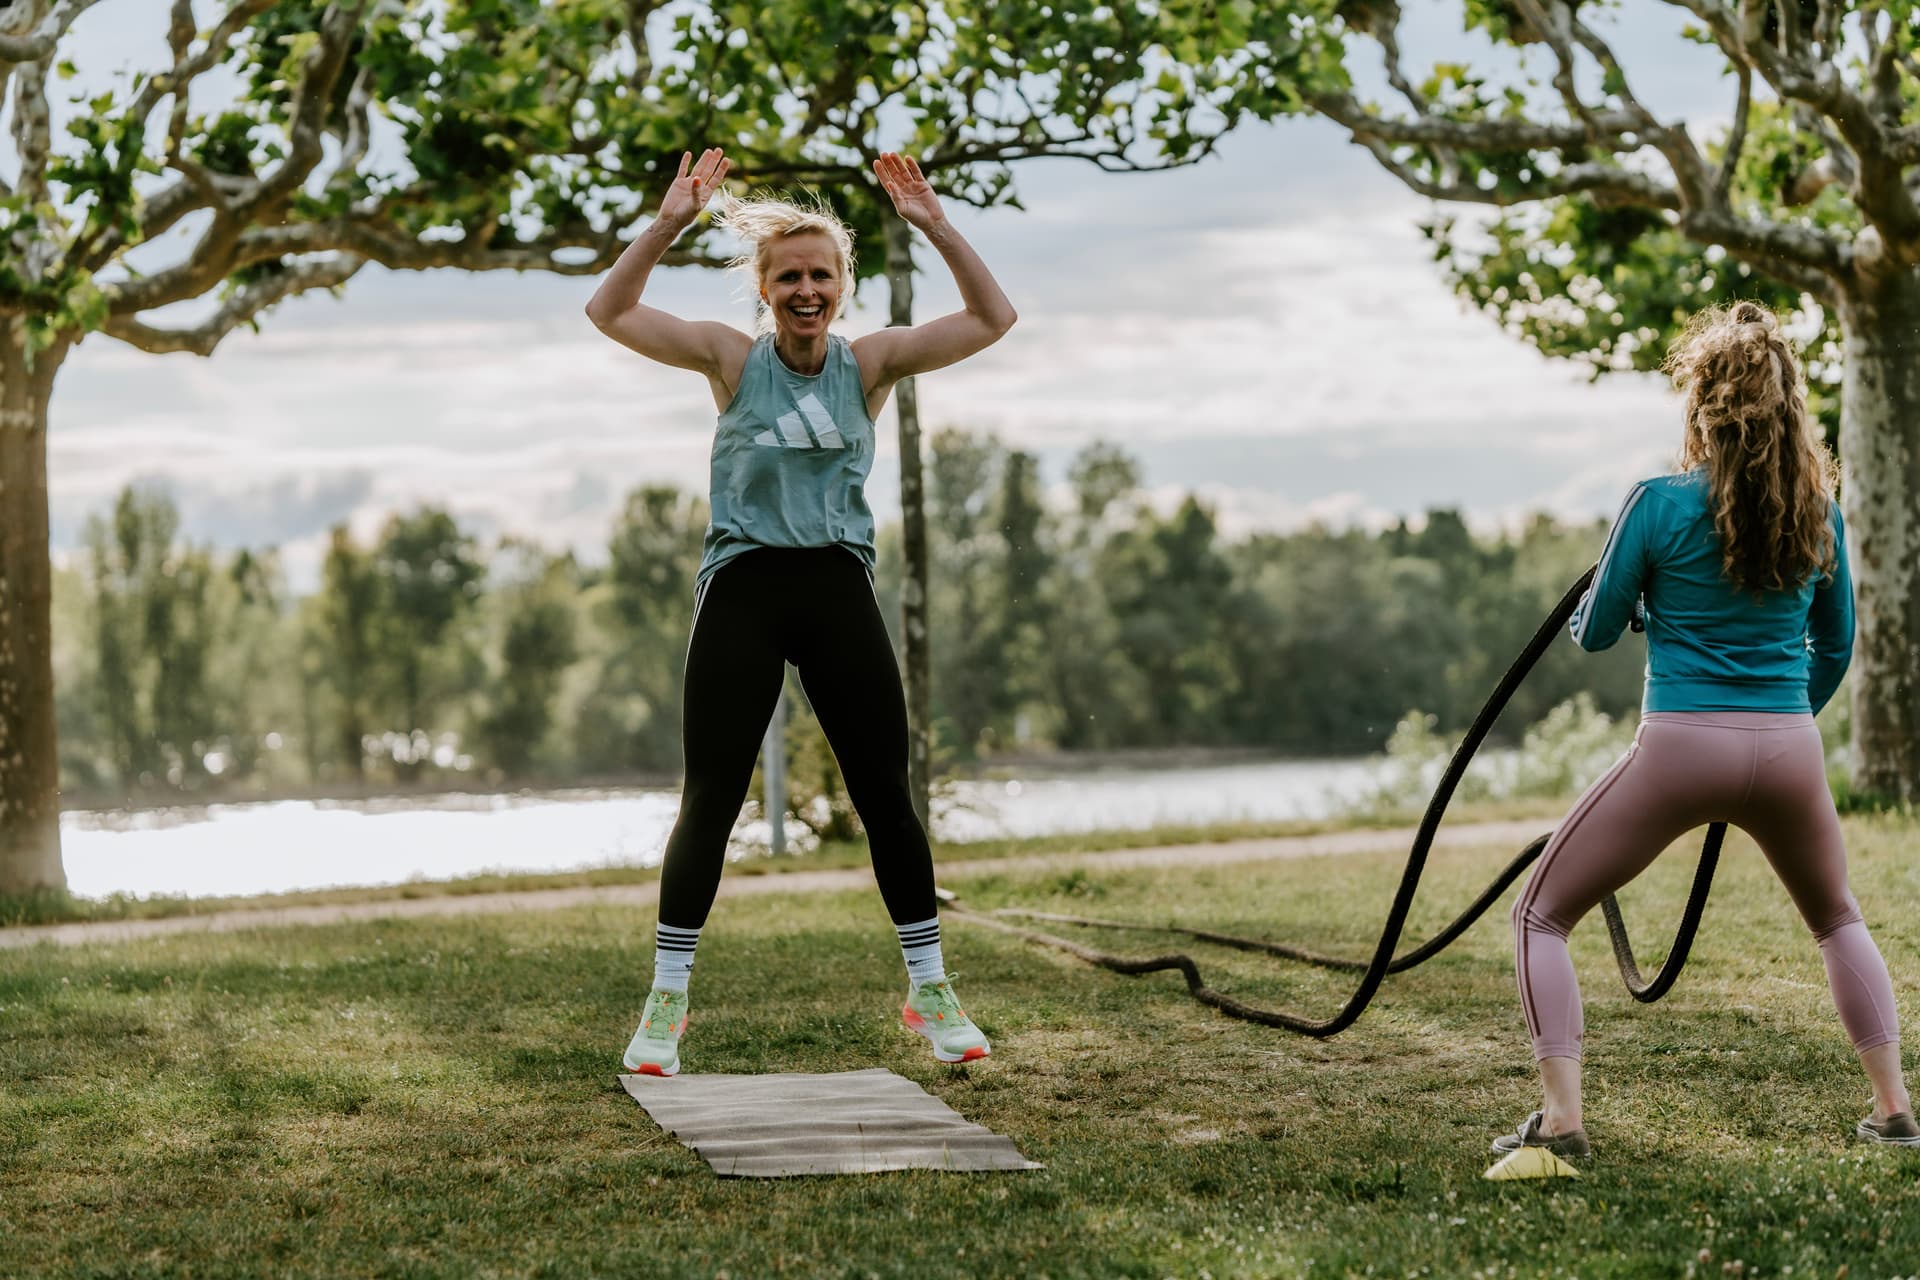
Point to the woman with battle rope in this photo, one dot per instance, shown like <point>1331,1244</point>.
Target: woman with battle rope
<point>1739,564</point>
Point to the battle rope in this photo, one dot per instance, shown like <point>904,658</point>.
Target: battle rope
<point>1384,961</point>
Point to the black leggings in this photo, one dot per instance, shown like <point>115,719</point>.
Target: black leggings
<point>813,607</point>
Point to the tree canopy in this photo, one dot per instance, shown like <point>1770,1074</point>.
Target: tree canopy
<point>287,145</point>
<point>1609,223</point>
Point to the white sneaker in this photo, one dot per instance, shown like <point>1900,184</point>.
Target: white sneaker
<point>934,1011</point>
<point>655,1048</point>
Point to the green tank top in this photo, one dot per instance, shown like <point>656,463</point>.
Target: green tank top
<point>791,455</point>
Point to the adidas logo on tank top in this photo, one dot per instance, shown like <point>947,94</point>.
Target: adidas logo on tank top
<point>817,431</point>
<point>791,455</point>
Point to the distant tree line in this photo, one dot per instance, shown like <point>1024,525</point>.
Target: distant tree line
<point>1098,623</point>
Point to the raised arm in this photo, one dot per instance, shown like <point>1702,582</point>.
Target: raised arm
<point>707,347</point>
<point>892,354</point>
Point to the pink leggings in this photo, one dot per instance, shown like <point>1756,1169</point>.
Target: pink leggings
<point>1762,772</point>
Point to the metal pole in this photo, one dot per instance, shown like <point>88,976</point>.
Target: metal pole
<point>774,770</point>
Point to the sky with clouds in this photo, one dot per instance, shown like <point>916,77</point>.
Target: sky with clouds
<point>1266,329</point>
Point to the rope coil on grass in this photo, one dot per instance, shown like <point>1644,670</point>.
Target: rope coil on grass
<point>1383,961</point>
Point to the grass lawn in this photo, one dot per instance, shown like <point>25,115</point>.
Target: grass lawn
<point>437,1097</point>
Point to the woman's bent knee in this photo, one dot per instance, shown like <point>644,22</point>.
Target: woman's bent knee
<point>1842,915</point>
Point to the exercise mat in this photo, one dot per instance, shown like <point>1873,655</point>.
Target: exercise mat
<point>790,1124</point>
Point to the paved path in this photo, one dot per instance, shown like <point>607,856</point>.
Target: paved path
<point>1514,834</point>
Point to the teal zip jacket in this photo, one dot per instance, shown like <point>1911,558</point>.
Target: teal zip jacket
<point>1710,645</point>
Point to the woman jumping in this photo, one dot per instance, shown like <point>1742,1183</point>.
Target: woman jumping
<point>787,573</point>
<point>1739,566</point>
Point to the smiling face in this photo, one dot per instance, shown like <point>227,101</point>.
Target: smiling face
<point>801,282</point>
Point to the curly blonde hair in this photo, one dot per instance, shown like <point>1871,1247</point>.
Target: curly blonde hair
<point>761,221</point>
<point>1770,477</point>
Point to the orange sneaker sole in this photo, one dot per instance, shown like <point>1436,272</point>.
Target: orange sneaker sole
<point>647,1069</point>
<point>918,1025</point>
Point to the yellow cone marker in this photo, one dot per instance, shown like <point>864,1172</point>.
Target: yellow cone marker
<point>1530,1162</point>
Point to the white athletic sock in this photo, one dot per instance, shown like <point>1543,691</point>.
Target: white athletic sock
<point>673,956</point>
<point>920,944</point>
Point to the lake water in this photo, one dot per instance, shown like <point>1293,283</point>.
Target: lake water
<point>289,845</point>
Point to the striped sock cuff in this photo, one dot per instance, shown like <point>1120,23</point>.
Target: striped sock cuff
<point>920,947</point>
<point>673,956</point>
<point>919,935</point>
<point>668,938</point>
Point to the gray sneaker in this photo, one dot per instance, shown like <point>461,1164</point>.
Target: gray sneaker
<point>1897,1130</point>
<point>1570,1146</point>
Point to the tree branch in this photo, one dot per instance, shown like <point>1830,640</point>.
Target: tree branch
<point>1736,138</point>
<point>183,73</point>
<point>196,188</point>
<point>1806,258</point>
<point>1617,185</point>
<point>1690,168</point>
<point>1610,128</point>
<point>1790,43</point>
<point>1826,27</point>
<point>1878,186</point>
<point>1884,75</point>
<point>32,129</point>
<point>240,309</point>
<point>376,241</point>
<point>39,44</point>
<point>216,256</point>
<point>638,11</point>
<point>1811,181</point>
<point>309,109</point>
<point>1553,27</point>
<point>353,149</point>
<point>1066,149</point>
<point>179,42</point>
<point>1905,146</point>
<point>1839,155</point>
<point>179,39</point>
<point>6,83</point>
<point>758,167</point>
<point>212,258</point>
<point>1735,32</point>
<point>1387,35</point>
<point>777,60</point>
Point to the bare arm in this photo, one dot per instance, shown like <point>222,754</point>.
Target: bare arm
<point>892,354</point>
<point>716,350</point>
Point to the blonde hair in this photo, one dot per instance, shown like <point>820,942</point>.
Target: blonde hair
<point>760,222</point>
<point>1770,477</point>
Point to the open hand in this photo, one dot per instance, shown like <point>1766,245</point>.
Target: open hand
<point>913,197</point>
<point>693,187</point>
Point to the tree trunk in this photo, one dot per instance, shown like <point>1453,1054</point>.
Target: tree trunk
<point>913,523</point>
<point>29,760</point>
<point>1880,458</point>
